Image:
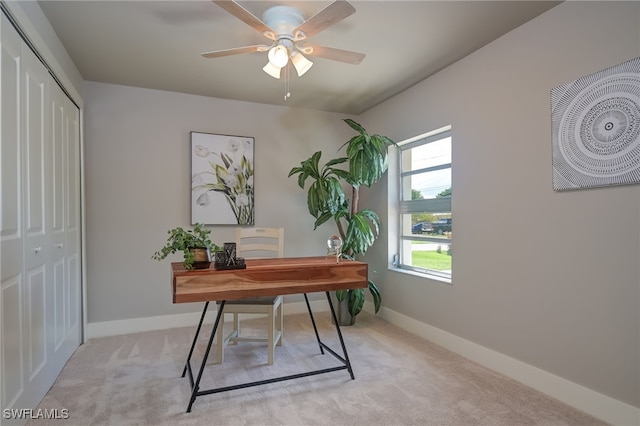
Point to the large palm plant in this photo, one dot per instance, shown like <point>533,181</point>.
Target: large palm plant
<point>367,162</point>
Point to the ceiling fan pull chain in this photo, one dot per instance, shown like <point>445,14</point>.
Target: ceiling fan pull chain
<point>287,93</point>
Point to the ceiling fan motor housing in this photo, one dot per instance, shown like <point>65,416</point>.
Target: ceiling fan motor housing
<point>283,20</point>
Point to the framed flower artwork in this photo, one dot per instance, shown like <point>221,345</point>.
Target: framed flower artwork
<point>222,190</point>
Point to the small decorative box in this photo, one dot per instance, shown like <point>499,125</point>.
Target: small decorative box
<point>227,259</point>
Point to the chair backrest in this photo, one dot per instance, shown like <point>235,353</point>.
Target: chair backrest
<point>260,242</point>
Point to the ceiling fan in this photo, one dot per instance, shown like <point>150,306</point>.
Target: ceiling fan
<point>286,27</point>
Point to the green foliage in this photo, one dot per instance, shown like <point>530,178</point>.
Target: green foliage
<point>367,162</point>
<point>445,193</point>
<point>367,156</point>
<point>325,194</point>
<point>362,231</point>
<point>181,239</point>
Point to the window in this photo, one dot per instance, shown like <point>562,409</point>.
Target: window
<point>425,235</point>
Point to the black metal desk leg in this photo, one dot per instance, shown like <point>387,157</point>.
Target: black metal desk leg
<point>195,338</point>
<point>313,321</point>
<point>196,385</point>
<point>344,348</point>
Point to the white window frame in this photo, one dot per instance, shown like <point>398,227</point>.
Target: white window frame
<point>433,205</point>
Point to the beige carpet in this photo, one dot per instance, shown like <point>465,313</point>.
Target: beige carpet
<point>400,380</point>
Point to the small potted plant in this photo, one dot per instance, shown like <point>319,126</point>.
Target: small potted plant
<point>194,243</point>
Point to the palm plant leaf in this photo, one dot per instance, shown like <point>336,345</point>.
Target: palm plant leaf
<point>316,199</point>
<point>341,294</point>
<point>322,219</point>
<point>355,126</point>
<point>334,162</point>
<point>375,292</point>
<point>356,301</point>
<point>362,231</point>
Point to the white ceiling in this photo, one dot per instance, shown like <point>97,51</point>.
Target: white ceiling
<point>157,45</point>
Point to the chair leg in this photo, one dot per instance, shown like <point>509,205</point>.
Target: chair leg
<point>271,336</point>
<point>236,328</point>
<point>220,346</point>
<point>280,322</point>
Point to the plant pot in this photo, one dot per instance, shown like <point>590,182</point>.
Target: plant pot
<point>201,257</point>
<point>342,311</point>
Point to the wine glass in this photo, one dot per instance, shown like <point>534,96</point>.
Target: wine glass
<point>334,244</point>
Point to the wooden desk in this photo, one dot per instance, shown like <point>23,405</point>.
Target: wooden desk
<point>266,277</point>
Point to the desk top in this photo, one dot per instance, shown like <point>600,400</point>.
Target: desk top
<point>267,277</point>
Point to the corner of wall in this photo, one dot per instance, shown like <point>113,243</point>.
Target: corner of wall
<point>32,21</point>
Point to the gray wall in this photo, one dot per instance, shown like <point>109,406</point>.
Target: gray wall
<point>138,186</point>
<point>549,278</point>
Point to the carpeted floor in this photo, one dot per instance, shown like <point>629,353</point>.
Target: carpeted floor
<point>400,380</point>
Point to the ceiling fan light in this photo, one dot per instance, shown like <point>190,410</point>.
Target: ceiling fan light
<point>279,56</point>
<point>272,70</point>
<point>301,63</point>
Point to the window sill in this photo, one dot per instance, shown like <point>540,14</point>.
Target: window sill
<point>421,274</point>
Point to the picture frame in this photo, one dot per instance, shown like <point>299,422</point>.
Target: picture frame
<point>222,184</point>
<point>596,129</point>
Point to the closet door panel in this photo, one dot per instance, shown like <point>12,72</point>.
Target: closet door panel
<point>10,154</point>
<point>13,384</point>
<point>73,225</point>
<point>58,324</point>
<point>58,163</point>
<point>74,328</point>
<point>35,143</point>
<point>12,247</point>
<point>57,220</point>
<point>36,325</point>
<point>36,189</point>
<point>65,227</point>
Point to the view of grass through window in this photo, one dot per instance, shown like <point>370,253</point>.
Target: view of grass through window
<point>437,258</point>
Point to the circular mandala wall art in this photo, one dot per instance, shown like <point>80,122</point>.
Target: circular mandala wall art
<point>596,129</point>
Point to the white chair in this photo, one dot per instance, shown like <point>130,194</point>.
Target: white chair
<point>256,243</point>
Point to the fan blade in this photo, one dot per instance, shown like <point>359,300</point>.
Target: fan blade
<point>336,11</point>
<point>247,17</point>
<point>331,53</point>
<point>237,50</point>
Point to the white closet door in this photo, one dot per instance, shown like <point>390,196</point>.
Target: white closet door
<point>65,229</point>
<point>11,238</point>
<point>40,285</point>
<point>73,234</point>
<point>37,193</point>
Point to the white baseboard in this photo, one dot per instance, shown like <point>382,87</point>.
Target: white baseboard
<point>596,404</point>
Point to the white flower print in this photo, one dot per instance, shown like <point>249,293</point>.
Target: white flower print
<point>229,172</point>
<point>242,200</point>
<point>202,151</point>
